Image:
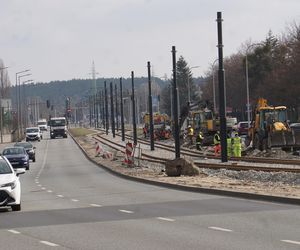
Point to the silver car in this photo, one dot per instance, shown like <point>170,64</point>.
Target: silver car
<point>10,187</point>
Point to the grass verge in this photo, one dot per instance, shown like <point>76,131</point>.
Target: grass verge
<point>76,132</point>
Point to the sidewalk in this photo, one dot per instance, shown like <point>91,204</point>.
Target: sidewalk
<point>6,138</point>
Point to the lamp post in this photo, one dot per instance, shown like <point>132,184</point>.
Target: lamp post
<point>247,80</point>
<point>1,113</point>
<point>188,80</point>
<point>18,95</point>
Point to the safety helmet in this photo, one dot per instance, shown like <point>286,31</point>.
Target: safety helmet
<point>189,126</point>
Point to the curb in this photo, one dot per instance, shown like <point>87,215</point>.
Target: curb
<point>233,194</point>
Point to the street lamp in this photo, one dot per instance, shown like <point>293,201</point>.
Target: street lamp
<point>188,78</point>
<point>19,103</point>
<point>247,80</point>
<point>1,96</point>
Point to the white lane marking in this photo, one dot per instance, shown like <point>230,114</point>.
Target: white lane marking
<point>74,200</point>
<point>60,196</point>
<point>291,241</point>
<point>44,161</point>
<point>43,188</point>
<point>49,191</point>
<point>49,243</point>
<point>220,229</point>
<point>39,185</point>
<point>126,211</point>
<point>37,182</point>
<point>95,205</point>
<point>13,231</point>
<point>165,219</point>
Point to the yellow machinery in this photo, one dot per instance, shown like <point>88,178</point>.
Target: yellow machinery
<point>161,125</point>
<point>269,128</point>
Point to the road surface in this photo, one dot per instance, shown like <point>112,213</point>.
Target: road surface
<point>70,203</point>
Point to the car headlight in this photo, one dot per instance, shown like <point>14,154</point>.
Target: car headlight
<point>31,151</point>
<point>12,185</point>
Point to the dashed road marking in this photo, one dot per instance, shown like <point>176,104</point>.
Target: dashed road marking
<point>49,243</point>
<point>13,231</point>
<point>39,185</point>
<point>95,205</point>
<point>220,229</point>
<point>60,196</point>
<point>165,219</point>
<point>74,200</point>
<point>126,211</point>
<point>49,191</point>
<point>43,188</point>
<point>291,242</point>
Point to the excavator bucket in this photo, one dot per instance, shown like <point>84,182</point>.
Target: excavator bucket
<point>284,139</point>
<point>276,139</point>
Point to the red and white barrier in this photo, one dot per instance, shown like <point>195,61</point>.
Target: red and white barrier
<point>99,149</point>
<point>129,153</point>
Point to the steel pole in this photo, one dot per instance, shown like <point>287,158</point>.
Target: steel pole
<point>221,91</point>
<point>133,110</point>
<point>117,107</point>
<point>122,110</point>
<point>175,105</point>
<point>248,95</point>
<point>112,111</point>
<point>150,108</point>
<point>106,109</point>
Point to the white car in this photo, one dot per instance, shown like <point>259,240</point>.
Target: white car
<point>10,186</point>
<point>33,134</point>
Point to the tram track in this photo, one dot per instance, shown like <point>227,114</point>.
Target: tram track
<point>229,166</point>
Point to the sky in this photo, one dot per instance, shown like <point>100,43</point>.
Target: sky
<point>59,39</point>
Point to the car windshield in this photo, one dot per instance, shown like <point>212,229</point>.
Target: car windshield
<point>61,122</point>
<point>24,145</point>
<point>42,123</point>
<point>32,130</point>
<point>13,151</point>
<point>4,167</point>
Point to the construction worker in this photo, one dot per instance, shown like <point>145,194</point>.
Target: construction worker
<point>217,141</point>
<point>229,145</point>
<point>237,145</point>
<point>199,141</point>
<point>190,134</point>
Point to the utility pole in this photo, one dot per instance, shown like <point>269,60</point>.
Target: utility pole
<point>150,108</point>
<point>221,91</point>
<point>133,110</point>
<point>175,105</point>
<point>122,111</point>
<point>117,108</point>
<point>112,113</point>
<point>106,109</point>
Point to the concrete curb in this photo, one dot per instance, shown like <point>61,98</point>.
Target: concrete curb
<point>235,194</point>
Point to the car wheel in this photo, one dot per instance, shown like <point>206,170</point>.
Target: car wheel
<point>33,159</point>
<point>16,207</point>
<point>27,168</point>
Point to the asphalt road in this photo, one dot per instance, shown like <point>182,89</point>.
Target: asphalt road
<point>70,203</point>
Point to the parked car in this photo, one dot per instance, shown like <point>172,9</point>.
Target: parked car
<point>295,126</point>
<point>10,187</point>
<point>17,157</point>
<point>30,149</point>
<point>242,128</point>
<point>33,134</point>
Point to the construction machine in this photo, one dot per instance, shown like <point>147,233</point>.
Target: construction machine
<point>161,125</point>
<point>269,128</point>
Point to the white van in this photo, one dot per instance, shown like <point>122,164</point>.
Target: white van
<point>42,124</point>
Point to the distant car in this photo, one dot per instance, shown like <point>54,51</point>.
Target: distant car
<point>295,126</point>
<point>10,187</point>
<point>17,157</point>
<point>30,149</point>
<point>33,134</point>
<point>242,128</point>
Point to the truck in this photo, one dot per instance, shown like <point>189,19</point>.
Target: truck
<point>270,128</point>
<point>42,124</point>
<point>58,127</point>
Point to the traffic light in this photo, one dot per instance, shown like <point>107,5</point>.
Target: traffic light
<point>48,103</point>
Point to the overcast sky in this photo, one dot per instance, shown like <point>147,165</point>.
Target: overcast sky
<point>59,39</point>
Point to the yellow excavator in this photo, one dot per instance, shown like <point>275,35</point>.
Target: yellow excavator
<point>269,128</point>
